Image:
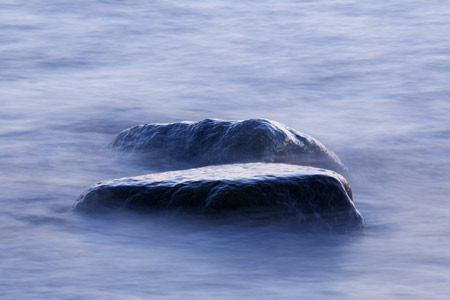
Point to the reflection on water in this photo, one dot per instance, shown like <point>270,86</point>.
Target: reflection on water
<point>369,80</point>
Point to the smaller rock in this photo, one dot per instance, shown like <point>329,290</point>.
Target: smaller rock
<point>185,145</point>
<point>254,190</point>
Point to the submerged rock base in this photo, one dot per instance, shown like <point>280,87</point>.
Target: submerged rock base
<point>255,190</point>
<point>185,145</point>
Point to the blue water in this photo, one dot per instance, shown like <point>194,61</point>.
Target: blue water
<point>368,79</point>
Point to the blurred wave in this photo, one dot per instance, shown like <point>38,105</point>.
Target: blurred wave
<point>368,79</point>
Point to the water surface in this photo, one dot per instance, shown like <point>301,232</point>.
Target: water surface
<point>369,80</point>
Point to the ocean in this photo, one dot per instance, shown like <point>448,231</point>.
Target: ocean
<point>369,79</point>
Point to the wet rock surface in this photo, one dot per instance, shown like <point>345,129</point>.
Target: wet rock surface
<point>185,145</point>
<point>254,190</point>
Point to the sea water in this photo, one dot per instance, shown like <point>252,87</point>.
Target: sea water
<point>369,79</point>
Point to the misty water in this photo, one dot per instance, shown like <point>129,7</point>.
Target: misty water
<point>369,79</point>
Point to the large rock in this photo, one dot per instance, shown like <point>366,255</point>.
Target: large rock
<point>255,190</point>
<point>212,142</point>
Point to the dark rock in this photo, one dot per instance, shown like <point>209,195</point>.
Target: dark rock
<point>212,142</point>
<point>255,190</point>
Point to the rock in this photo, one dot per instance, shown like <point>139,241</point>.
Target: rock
<point>254,191</point>
<point>211,142</point>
